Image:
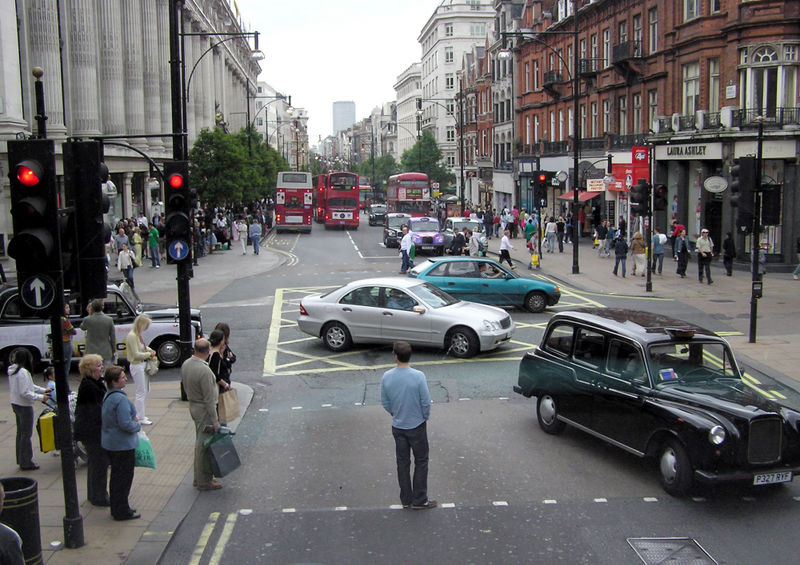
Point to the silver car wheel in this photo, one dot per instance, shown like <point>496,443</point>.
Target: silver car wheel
<point>547,409</point>
<point>459,344</point>
<point>669,465</point>
<point>335,337</point>
<point>169,353</point>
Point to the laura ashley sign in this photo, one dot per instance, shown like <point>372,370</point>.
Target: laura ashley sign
<point>696,151</point>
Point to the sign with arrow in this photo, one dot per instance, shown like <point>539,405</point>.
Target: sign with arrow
<point>178,250</point>
<point>38,292</point>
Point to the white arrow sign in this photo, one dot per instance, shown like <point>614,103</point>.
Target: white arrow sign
<point>37,286</point>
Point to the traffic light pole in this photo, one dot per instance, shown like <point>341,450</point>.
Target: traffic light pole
<point>755,247</point>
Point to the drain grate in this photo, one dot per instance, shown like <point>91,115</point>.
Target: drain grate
<point>672,551</point>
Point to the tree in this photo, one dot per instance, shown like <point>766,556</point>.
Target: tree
<point>425,157</point>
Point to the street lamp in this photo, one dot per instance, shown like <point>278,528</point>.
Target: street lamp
<point>278,96</point>
<point>575,79</point>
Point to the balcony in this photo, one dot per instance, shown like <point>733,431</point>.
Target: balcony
<point>774,117</point>
<point>551,77</point>
<point>555,147</point>
<point>593,144</point>
<point>590,67</point>
<point>625,57</point>
<point>628,141</point>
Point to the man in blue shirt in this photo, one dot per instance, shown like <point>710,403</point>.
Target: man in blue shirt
<point>405,395</point>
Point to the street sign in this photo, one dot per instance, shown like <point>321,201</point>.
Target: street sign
<point>38,292</point>
<point>435,185</point>
<point>178,250</point>
<point>595,185</point>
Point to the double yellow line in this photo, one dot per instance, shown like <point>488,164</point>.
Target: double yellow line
<point>205,536</point>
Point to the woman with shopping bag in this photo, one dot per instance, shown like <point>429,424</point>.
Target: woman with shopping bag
<point>220,363</point>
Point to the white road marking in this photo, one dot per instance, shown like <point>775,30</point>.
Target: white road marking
<point>601,500</point>
<point>396,507</point>
<point>288,510</point>
<point>499,503</point>
<point>550,501</point>
<point>340,508</point>
<point>448,505</point>
<point>297,407</point>
<point>650,499</point>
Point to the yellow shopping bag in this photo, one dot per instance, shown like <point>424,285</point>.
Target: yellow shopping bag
<point>535,260</point>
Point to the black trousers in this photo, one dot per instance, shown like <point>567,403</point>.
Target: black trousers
<point>121,481</point>
<point>24,417</point>
<point>96,473</point>
<point>406,442</point>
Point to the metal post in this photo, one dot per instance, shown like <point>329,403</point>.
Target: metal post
<point>249,131</point>
<point>755,247</point>
<point>648,287</point>
<point>461,137</point>
<point>576,148</point>
<point>41,118</point>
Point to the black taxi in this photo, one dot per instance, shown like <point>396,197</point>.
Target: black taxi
<point>662,388</point>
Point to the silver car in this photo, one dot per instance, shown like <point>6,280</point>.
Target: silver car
<point>384,310</point>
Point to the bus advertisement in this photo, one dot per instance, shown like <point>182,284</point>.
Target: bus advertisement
<point>341,200</point>
<point>293,202</point>
<point>409,193</point>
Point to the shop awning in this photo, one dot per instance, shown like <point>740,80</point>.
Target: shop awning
<point>583,196</point>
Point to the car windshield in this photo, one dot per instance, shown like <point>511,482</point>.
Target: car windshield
<point>131,296</point>
<point>692,361</point>
<point>378,208</point>
<point>395,222</point>
<point>428,225</point>
<point>432,296</point>
<point>471,226</point>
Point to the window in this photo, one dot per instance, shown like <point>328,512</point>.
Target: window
<point>527,77</point>
<point>260,121</point>
<point>560,339</point>
<point>606,47</point>
<point>477,29</point>
<point>622,32</point>
<point>451,133</point>
<point>652,107</point>
<point>589,347</point>
<point>448,30</point>
<point>691,9</point>
<point>714,5</point>
<point>637,30</point>
<point>594,46</point>
<point>451,107</point>
<point>594,120</point>
<point>606,115</point>
<point>691,88</point>
<point>448,54</point>
<point>622,109</point>
<point>583,121</point>
<point>451,160</point>
<point>365,296</point>
<point>625,360</point>
<point>652,16</point>
<point>637,113</point>
<point>527,130</point>
<point>713,85</point>
<point>474,5</point>
<point>536,75</point>
<point>768,77</point>
<point>449,81</point>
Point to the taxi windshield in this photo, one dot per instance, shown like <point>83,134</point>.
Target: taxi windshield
<point>692,361</point>
<point>426,225</point>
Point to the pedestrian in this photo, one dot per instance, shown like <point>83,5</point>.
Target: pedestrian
<point>23,395</point>
<point>676,232</point>
<point>638,251</point>
<point>560,227</point>
<point>99,333</point>
<point>119,437</point>
<point>152,243</point>
<point>488,219</point>
<point>682,252</point>
<point>458,243</point>
<point>602,234</point>
<point>218,361</point>
<point>620,254</point>
<point>705,251</point>
<point>568,230</point>
<point>254,233</point>
<point>242,234</point>
<point>137,244</point>
<point>496,224</point>
<point>120,239</point>
<point>10,542</point>
<point>67,331</point>
<point>202,392</point>
<point>796,273</point>
<point>532,245</point>
<point>138,353</point>
<point>88,427</point>
<point>405,248</point>
<point>659,239</point>
<point>473,247</point>
<point>505,247</point>
<point>550,230</point>
<point>530,228</point>
<point>729,252</point>
<point>126,260</point>
<point>405,395</point>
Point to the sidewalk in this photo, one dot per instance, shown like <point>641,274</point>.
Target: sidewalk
<point>728,299</point>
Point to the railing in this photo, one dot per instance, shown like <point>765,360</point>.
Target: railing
<point>593,143</point>
<point>555,147</point>
<point>626,50</point>
<point>773,116</point>
<point>552,77</point>
<point>712,121</point>
<point>686,122</point>
<point>664,123</point>
<point>628,141</point>
<point>590,67</point>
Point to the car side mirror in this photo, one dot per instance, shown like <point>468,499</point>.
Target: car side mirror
<point>418,309</point>
<point>508,276</point>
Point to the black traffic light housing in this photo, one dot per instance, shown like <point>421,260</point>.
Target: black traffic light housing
<point>542,180</point>
<point>640,198</point>
<point>660,197</point>
<point>742,185</point>
<point>179,201</point>
<point>84,173</point>
<point>34,210</point>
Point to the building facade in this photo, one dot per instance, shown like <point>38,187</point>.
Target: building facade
<point>344,115</point>
<point>408,89</point>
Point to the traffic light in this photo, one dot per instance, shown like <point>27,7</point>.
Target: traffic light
<point>660,198</point>
<point>640,198</point>
<point>743,180</point>
<point>178,210</point>
<point>84,173</point>
<point>771,204</point>
<point>542,180</point>
<point>34,211</point>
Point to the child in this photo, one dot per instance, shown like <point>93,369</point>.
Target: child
<point>50,385</point>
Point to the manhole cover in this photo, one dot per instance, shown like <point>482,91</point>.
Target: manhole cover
<point>673,551</point>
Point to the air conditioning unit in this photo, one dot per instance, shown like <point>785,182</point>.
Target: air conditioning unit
<point>700,119</point>
<point>726,116</point>
<point>676,122</point>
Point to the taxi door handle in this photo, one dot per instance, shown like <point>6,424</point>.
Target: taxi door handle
<point>388,314</point>
<point>347,309</point>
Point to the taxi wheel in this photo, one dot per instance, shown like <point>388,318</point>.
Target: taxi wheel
<point>547,415</point>
<point>168,352</point>
<point>674,468</point>
<point>535,302</point>
<point>462,343</point>
<point>336,336</point>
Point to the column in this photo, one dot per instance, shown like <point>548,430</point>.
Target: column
<point>209,96</point>
<point>112,87</point>
<point>43,51</point>
<point>127,195</point>
<point>199,84</point>
<point>151,75</point>
<point>164,71</point>
<point>11,112</point>
<point>132,74</point>
<point>84,98</point>
<point>189,59</point>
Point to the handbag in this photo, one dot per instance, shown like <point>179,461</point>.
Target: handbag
<point>228,407</point>
<point>222,454</point>
<point>534,259</point>
<point>144,456</point>
<point>151,366</point>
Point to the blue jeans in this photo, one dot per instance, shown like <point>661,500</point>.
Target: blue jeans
<point>405,442</point>
<point>256,242</point>
<point>407,262</point>
<point>67,358</point>
<point>797,270</point>
<point>24,417</point>
<point>658,263</point>
<point>154,256</point>
<point>622,259</point>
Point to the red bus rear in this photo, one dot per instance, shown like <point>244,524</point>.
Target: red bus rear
<point>409,193</point>
<point>341,200</point>
<point>293,202</point>
<point>320,183</point>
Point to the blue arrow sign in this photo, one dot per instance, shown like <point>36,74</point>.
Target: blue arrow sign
<point>38,292</point>
<point>178,250</point>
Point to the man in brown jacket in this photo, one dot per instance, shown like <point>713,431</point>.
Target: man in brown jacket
<point>201,390</point>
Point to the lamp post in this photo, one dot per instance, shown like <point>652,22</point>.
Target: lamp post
<point>755,247</point>
<point>576,146</point>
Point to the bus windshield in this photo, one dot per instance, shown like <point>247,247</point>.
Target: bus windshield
<point>342,202</point>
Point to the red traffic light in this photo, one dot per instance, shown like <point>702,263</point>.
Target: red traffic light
<point>29,173</point>
<point>542,177</point>
<point>175,180</point>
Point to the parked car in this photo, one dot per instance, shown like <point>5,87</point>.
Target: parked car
<point>392,234</point>
<point>427,236</point>
<point>482,280</point>
<point>122,304</point>
<point>662,388</point>
<point>384,310</point>
<point>377,212</point>
<point>457,223</point>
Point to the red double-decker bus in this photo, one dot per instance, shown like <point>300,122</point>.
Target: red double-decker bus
<point>409,193</point>
<point>336,199</point>
<point>293,202</point>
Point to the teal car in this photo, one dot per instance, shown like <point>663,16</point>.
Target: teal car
<point>479,279</point>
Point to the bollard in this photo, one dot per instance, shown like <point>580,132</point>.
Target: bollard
<point>21,512</point>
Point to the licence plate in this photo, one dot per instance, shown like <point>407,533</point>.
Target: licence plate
<point>773,478</point>
<point>427,247</point>
<point>294,219</point>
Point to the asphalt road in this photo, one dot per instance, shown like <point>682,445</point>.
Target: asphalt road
<point>318,481</point>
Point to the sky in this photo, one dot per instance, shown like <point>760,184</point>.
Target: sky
<point>323,51</point>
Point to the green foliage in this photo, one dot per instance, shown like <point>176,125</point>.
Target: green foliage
<point>425,157</point>
<point>385,166</point>
<point>226,168</point>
